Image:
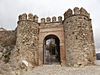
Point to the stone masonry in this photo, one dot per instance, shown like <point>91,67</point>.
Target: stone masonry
<point>26,49</point>
<point>74,34</point>
<point>79,44</point>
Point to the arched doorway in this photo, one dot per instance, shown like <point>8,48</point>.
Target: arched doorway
<point>51,50</point>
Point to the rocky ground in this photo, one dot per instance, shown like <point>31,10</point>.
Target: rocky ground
<point>52,70</point>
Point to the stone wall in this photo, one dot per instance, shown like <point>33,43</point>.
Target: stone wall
<point>51,20</point>
<point>26,50</point>
<point>7,43</point>
<point>79,43</point>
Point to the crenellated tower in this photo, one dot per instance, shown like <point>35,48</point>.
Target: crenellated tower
<point>27,40</point>
<point>79,43</point>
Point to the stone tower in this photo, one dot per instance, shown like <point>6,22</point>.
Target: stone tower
<point>27,40</point>
<point>79,43</point>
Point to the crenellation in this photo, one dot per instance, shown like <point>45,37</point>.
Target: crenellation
<point>23,17</point>
<point>42,20</point>
<point>68,13</point>
<point>48,19</point>
<point>19,17</point>
<point>59,18</point>
<point>76,11</point>
<point>30,17</point>
<point>53,19</point>
<point>35,18</point>
<point>84,12</point>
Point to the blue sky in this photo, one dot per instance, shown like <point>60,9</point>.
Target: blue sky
<point>10,9</point>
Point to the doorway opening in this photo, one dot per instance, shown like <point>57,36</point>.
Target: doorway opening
<point>51,50</point>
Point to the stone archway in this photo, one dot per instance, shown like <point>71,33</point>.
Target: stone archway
<point>51,50</point>
<point>56,31</point>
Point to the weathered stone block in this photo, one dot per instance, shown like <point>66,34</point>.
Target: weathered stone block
<point>60,19</point>
<point>23,17</point>
<point>48,19</point>
<point>30,17</point>
<point>35,18</point>
<point>68,13</point>
<point>84,12</point>
<point>42,20</point>
<point>76,11</point>
<point>54,19</point>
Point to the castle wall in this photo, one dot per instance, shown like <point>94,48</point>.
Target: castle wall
<point>27,41</point>
<point>79,43</point>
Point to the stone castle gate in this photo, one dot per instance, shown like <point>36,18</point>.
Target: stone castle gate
<point>54,30</point>
<point>67,42</point>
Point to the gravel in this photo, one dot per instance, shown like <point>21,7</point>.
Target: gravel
<point>62,70</point>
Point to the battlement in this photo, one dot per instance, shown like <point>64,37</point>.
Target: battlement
<point>69,13</point>
<point>30,17</point>
<point>53,19</point>
<point>76,11</point>
<point>34,18</point>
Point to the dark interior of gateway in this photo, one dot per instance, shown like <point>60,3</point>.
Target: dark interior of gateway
<point>51,50</point>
